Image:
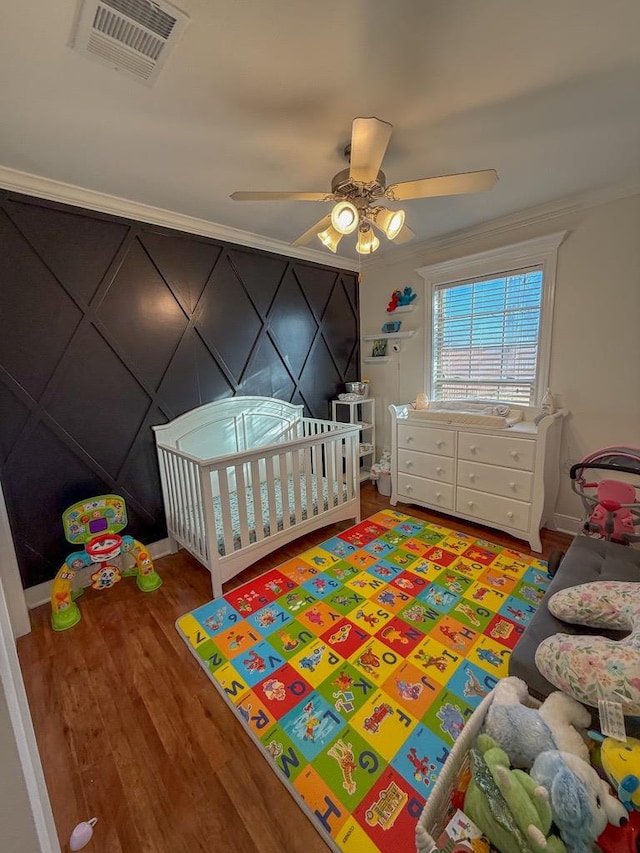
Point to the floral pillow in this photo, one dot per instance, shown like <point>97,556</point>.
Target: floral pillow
<point>592,667</point>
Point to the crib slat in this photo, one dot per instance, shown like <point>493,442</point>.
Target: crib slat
<point>330,469</point>
<point>258,520</point>
<point>241,497</point>
<point>196,506</point>
<point>185,502</point>
<point>308,483</point>
<point>176,487</point>
<point>271,492</point>
<point>339,450</point>
<point>317,480</point>
<point>167,489</point>
<point>297,492</point>
<point>283,474</point>
<point>222,477</point>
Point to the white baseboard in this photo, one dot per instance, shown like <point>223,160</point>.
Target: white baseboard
<point>567,524</point>
<point>41,594</point>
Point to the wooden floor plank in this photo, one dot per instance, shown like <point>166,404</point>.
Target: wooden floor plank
<point>131,731</point>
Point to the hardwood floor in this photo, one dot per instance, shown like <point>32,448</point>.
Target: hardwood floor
<point>131,731</point>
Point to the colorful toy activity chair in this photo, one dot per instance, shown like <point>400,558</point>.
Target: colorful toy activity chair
<point>96,524</point>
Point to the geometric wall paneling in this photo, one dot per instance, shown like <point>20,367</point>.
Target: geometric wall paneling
<point>140,476</point>
<point>38,316</point>
<point>14,417</point>
<point>227,319</point>
<point>77,249</point>
<point>40,480</point>
<point>292,325</point>
<point>320,373</point>
<point>192,378</point>
<point>341,326</point>
<point>140,313</point>
<point>260,274</point>
<point>317,284</point>
<point>100,404</point>
<point>109,327</point>
<point>184,262</point>
<point>266,374</point>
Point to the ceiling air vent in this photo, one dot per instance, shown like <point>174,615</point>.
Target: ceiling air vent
<point>132,36</point>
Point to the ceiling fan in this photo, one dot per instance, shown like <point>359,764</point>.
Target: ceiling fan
<point>359,190</point>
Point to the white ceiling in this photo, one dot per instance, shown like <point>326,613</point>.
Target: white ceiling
<point>260,95</point>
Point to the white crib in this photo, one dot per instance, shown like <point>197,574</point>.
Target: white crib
<point>243,476</point>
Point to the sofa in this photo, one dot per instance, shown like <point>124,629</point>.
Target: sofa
<point>586,560</point>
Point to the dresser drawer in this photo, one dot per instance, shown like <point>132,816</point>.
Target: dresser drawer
<point>492,508</point>
<point>426,465</point>
<point>497,450</point>
<point>428,440</point>
<point>412,488</point>
<point>509,482</point>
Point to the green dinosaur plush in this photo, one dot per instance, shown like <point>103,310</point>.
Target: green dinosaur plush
<point>510,808</point>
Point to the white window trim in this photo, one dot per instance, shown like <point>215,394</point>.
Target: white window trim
<point>541,251</point>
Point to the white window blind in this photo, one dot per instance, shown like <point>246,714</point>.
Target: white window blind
<point>486,336</point>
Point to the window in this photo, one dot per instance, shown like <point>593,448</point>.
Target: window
<point>490,321</point>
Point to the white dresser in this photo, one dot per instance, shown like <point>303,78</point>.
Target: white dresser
<point>504,478</point>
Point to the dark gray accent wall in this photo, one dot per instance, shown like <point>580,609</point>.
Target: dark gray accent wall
<point>109,326</point>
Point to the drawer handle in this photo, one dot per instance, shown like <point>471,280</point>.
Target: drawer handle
<point>439,443</point>
<point>513,486</point>
<point>409,488</point>
<point>472,476</point>
<point>439,470</point>
<point>509,515</point>
<point>469,503</point>
<point>409,464</point>
<point>514,454</point>
<point>438,495</point>
<point>409,438</point>
<point>473,448</point>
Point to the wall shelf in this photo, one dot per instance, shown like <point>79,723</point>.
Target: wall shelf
<point>386,335</point>
<point>402,309</point>
<point>377,359</point>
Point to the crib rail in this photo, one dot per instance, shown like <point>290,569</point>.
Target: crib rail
<point>245,498</point>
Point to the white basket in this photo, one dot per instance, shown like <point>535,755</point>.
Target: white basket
<point>437,811</point>
<point>384,483</point>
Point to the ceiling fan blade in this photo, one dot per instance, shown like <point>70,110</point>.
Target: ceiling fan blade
<point>308,236</point>
<point>259,196</point>
<point>369,140</point>
<point>465,182</point>
<point>404,235</point>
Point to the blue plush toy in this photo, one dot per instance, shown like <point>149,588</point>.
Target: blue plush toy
<point>524,731</point>
<point>581,802</point>
<point>407,296</point>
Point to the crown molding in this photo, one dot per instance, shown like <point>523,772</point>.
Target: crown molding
<point>505,225</point>
<point>52,190</point>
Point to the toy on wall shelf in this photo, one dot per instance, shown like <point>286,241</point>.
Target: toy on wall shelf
<point>96,523</point>
<point>400,298</point>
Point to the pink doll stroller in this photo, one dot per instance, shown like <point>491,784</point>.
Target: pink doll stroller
<point>612,506</point>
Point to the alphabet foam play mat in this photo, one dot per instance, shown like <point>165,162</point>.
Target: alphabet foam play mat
<point>354,666</point>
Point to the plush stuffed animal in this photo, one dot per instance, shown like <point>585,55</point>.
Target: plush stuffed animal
<point>621,762</point>
<point>507,805</point>
<point>407,296</point>
<point>625,839</point>
<point>581,802</point>
<point>524,732</point>
<point>590,667</point>
<point>394,301</point>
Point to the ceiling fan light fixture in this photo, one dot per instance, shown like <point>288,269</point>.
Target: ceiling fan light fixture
<point>389,221</point>
<point>367,241</point>
<point>330,238</point>
<point>344,217</point>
